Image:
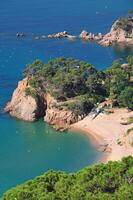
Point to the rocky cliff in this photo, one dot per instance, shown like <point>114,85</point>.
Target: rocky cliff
<point>58,117</point>
<point>121,32</point>
<point>25,107</point>
<point>28,108</point>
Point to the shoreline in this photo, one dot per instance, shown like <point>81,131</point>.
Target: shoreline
<point>104,133</point>
<point>95,139</point>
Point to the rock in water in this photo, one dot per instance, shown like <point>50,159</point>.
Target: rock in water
<point>121,32</point>
<point>57,117</point>
<point>84,35</point>
<point>25,107</point>
<point>29,108</point>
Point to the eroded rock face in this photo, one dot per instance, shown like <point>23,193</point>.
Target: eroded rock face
<point>44,105</point>
<point>58,117</point>
<point>119,34</point>
<point>25,107</point>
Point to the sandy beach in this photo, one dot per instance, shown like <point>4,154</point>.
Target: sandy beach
<point>108,132</point>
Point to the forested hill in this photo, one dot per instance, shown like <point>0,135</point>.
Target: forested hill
<point>112,181</point>
<point>65,90</point>
<point>67,78</point>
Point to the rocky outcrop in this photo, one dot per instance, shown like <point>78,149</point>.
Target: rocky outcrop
<point>121,32</point>
<point>25,107</point>
<point>44,105</point>
<point>84,35</point>
<point>63,34</point>
<point>58,117</point>
<point>21,34</point>
<point>114,36</point>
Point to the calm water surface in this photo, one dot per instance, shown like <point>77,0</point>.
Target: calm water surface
<point>29,149</point>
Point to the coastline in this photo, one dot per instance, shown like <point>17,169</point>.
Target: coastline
<point>105,131</point>
<point>95,139</point>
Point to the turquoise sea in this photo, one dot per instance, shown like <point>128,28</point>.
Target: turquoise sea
<point>29,149</point>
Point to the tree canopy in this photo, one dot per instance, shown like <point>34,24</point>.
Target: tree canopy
<point>67,78</point>
<point>125,23</point>
<point>112,181</point>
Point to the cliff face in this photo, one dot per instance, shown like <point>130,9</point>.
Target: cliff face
<point>58,117</point>
<point>30,109</point>
<point>121,32</point>
<point>25,107</point>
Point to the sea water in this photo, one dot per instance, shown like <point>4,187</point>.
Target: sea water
<point>29,149</point>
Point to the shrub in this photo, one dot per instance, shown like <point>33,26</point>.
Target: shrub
<point>33,68</point>
<point>126,98</point>
<point>30,92</point>
<point>129,130</point>
<point>110,181</point>
<point>67,78</point>
<point>125,23</point>
<point>81,107</point>
<point>130,120</point>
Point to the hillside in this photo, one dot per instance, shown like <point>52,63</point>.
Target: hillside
<point>112,181</point>
<point>121,32</point>
<point>65,90</point>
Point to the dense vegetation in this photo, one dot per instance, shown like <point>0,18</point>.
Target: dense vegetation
<point>79,85</point>
<point>126,23</point>
<point>119,83</point>
<point>112,181</point>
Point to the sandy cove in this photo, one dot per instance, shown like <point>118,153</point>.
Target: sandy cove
<point>106,130</point>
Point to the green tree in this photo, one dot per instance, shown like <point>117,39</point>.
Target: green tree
<point>33,68</point>
<point>126,97</point>
<point>112,181</point>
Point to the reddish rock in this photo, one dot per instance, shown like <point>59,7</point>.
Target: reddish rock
<point>84,35</point>
<point>57,117</point>
<point>25,107</point>
<point>30,109</point>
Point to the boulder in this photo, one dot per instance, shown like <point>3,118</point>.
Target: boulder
<point>84,35</point>
<point>63,34</point>
<point>21,34</point>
